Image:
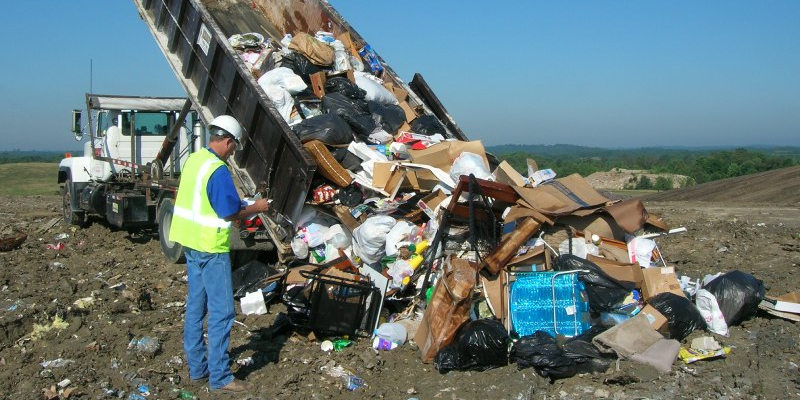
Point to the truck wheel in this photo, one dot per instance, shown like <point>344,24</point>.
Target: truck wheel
<point>71,217</point>
<point>172,250</point>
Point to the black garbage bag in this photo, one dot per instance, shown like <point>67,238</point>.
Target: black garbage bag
<point>343,85</point>
<point>327,128</point>
<point>350,195</point>
<point>682,315</point>
<point>428,125</point>
<point>738,294</point>
<point>391,116</point>
<point>541,352</point>
<point>300,65</point>
<point>347,159</point>
<point>479,345</point>
<point>354,111</point>
<point>588,358</point>
<point>248,277</point>
<point>605,292</point>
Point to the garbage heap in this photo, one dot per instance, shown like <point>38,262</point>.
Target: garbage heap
<point>459,252</point>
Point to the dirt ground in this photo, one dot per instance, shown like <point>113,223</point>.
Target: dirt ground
<point>129,291</point>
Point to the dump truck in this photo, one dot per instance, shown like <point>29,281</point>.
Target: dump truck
<point>195,38</point>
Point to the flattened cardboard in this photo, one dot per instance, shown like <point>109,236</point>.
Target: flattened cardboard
<point>562,196</point>
<point>294,277</point>
<point>789,302</point>
<point>629,214</point>
<point>495,292</point>
<point>448,308</point>
<point>653,317</point>
<point>505,173</point>
<point>660,280</point>
<point>410,113</point>
<point>623,272</point>
<point>399,93</point>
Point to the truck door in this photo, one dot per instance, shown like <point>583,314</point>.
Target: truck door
<point>149,129</point>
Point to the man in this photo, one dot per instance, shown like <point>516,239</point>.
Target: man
<point>206,204</point>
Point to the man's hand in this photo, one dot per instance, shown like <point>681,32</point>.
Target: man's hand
<point>260,206</point>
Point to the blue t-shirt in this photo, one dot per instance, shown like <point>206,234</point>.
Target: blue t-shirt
<point>221,193</point>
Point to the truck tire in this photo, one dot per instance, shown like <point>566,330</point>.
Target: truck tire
<point>173,251</point>
<point>71,217</point>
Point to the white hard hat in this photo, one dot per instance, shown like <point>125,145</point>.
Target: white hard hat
<point>225,124</point>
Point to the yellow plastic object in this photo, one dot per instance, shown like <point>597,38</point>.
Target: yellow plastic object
<point>691,355</point>
<point>415,261</point>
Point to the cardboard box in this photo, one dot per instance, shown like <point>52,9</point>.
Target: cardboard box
<point>505,173</point>
<point>442,155</point>
<point>623,272</point>
<point>381,171</point>
<point>660,280</point>
<point>318,83</point>
<point>348,43</point>
<point>657,320</point>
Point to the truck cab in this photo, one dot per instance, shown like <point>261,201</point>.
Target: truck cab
<point>125,146</point>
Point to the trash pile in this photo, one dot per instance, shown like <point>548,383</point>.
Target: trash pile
<point>477,264</point>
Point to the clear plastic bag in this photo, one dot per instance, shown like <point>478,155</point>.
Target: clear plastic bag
<point>470,163</point>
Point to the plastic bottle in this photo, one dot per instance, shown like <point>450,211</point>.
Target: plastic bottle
<point>380,343</point>
<point>421,247</point>
<point>392,332</point>
<point>415,261</point>
<point>145,345</point>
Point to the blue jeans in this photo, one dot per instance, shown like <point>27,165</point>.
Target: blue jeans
<point>210,292</point>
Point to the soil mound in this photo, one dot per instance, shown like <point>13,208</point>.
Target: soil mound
<point>780,186</point>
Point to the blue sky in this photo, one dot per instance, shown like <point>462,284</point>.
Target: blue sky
<point>594,73</point>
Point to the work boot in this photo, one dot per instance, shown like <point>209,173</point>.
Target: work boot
<point>237,386</point>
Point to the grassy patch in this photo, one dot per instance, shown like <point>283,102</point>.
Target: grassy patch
<point>29,179</point>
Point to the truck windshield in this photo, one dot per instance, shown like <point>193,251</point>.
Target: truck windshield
<point>146,123</point>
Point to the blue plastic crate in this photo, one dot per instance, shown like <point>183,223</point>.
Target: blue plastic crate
<point>533,302</point>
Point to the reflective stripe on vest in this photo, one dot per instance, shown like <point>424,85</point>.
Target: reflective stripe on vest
<point>195,224</point>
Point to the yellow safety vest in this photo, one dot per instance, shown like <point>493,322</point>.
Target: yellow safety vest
<point>194,222</point>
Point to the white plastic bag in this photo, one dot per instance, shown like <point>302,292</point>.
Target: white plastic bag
<point>341,60</point>
<point>313,234</point>
<point>370,238</point>
<point>641,251</point>
<point>399,234</point>
<point>470,163</point>
<point>374,88</point>
<point>706,302</point>
<point>300,248</point>
<point>253,303</point>
<point>282,100</point>
<point>337,237</point>
<point>284,77</point>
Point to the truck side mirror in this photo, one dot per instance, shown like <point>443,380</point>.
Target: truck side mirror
<point>76,124</point>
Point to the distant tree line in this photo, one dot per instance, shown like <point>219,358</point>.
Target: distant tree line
<point>698,166</point>
<point>10,157</point>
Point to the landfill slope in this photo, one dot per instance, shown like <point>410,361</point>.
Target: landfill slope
<point>128,291</point>
<point>780,186</point>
